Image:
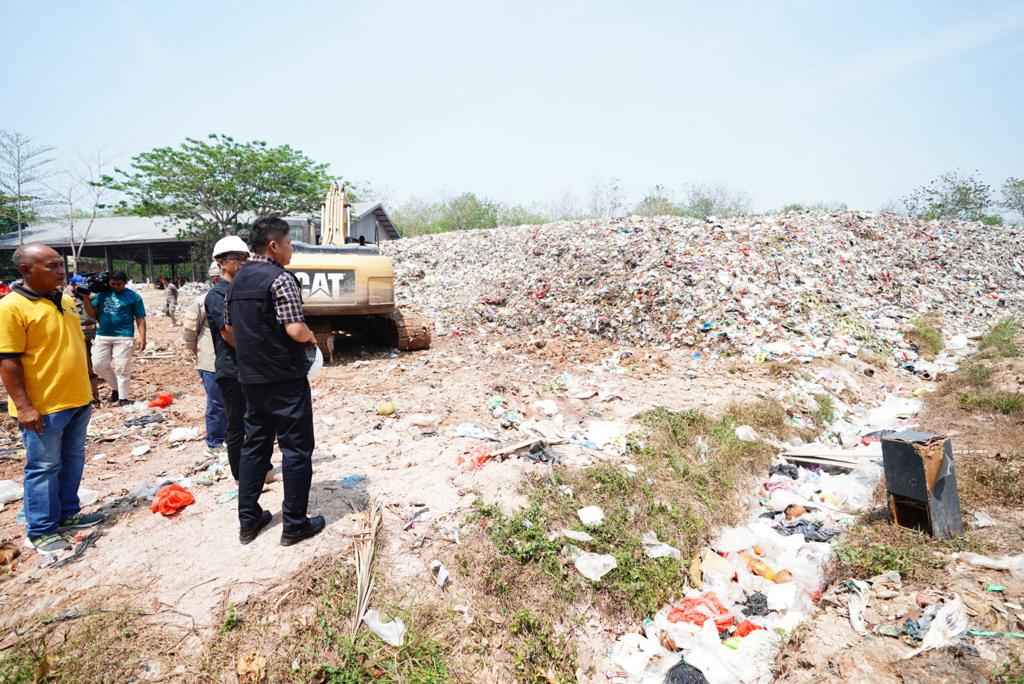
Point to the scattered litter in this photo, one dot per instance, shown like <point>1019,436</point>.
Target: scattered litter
<point>594,566</point>
<point>540,452</point>
<point>696,610</point>
<point>351,480</point>
<point>10,491</point>
<point>171,499</point>
<point>545,406</point>
<point>991,588</point>
<point>440,573</point>
<point>449,534</point>
<point>684,673</point>
<point>386,410</point>
<point>577,536</point>
<point>228,496</point>
<point>785,469</point>
<point>147,419</point>
<point>591,516</point>
<point>420,514</point>
<point>656,549</point>
<point>812,531</point>
<point>860,594</point>
<point>475,431</point>
<point>392,632</point>
<point>140,450</point>
<point>1013,564</point>
<point>251,668</point>
<point>945,630</point>
<point>163,400</point>
<point>182,434</point>
<point>756,604</point>
<point>746,433</point>
<point>99,458</point>
<point>87,497</point>
<point>982,519</point>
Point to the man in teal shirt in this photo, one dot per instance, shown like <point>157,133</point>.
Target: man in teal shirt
<point>118,311</point>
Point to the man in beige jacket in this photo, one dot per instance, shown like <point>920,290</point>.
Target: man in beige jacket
<point>196,333</point>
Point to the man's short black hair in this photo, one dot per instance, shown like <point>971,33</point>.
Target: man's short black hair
<point>119,275</point>
<point>265,229</point>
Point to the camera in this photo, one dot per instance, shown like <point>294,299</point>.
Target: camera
<point>95,283</point>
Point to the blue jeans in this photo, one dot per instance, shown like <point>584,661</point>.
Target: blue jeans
<point>216,416</point>
<point>54,462</point>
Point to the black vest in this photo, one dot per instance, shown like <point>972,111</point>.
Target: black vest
<point>264,350</point>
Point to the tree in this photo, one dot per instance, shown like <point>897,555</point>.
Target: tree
<point>23,168</point>
<point>708,199</point>
<point>82,194</point>
<point>216,186</point>
<point>950,197</point>
<point>9,215</point>
<point>1013,195</point>
<point>657,203</point>
<point>606,199</point>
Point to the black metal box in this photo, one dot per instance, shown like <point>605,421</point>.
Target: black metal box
<point>921,481</point>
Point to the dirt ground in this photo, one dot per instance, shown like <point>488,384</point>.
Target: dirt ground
<point>187,568</point>
<point>192,563</point>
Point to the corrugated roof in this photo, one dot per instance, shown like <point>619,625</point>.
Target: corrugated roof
<point>362,209</point>
<point>106,230</point>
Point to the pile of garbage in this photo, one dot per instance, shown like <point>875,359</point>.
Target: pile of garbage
<point>790,286</point>
<point>754,584</point>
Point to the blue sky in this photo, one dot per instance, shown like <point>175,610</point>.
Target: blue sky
<point>523,101</point>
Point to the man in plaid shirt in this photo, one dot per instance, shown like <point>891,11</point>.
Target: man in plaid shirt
<point>263,319</point>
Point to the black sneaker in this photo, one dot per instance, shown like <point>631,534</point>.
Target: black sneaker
<point>313,527</point>
<point>80,521</point>
<point>124,402</point>
<point>247,534</point>
<point>114,398</point>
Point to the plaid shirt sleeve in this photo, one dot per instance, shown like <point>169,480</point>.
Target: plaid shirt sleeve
<point>287,299</point>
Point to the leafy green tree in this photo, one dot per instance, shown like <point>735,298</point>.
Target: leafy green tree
<point>9,215</point>
<point>657,203</point>
<point>520,215</point>
<point>216,186</point>
<point>467,211</point>
<point>1013,195</point>
<point>950,197</point>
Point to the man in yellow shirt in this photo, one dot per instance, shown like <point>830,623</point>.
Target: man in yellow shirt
<point>44,368</point>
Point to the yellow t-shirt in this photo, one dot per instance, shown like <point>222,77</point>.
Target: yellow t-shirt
<point>51,348</point>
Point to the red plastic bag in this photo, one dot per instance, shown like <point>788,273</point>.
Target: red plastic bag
<point>477,457</point>
<point>699,610</point>
<point>163,400</point>
<point>746,627</point>
<point>171,499</point>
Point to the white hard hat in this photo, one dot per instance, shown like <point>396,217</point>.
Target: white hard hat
<point>214,269</point>
<point>231,243</point>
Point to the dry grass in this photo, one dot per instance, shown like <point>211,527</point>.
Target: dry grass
<point>94,645</point>
<point>303,630</point>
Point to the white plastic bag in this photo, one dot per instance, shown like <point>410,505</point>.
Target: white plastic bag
<point>10,491</point>
<point>594,566</point>
<point>391,632</point>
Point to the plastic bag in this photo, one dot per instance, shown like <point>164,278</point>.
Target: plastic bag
<point>10,491</point>
<point>163,400</point>
<point>1014,564</point>
<point>314,361</point>
<point>182,434</point>
<point>391,632</point>
<point>591,516</point>
<point>172,499</point>
<point>594,566</point>
<point>700,609</point>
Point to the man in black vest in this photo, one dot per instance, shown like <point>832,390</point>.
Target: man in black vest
<point>263,314</point>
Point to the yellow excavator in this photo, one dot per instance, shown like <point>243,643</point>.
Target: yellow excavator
<point>348,286</point>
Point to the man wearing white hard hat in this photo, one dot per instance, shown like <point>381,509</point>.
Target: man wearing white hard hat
<point>198,336</point>
<point>229,254</point>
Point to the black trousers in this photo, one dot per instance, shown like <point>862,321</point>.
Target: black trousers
<point>234,407</point>
<point>282,411</point>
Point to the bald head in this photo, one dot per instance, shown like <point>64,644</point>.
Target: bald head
<point>40,266</point>
<point>32,253</point>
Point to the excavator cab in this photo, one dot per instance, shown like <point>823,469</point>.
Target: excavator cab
<point>348,285</point>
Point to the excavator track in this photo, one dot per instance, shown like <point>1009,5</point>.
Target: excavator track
<point>409,331</point>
